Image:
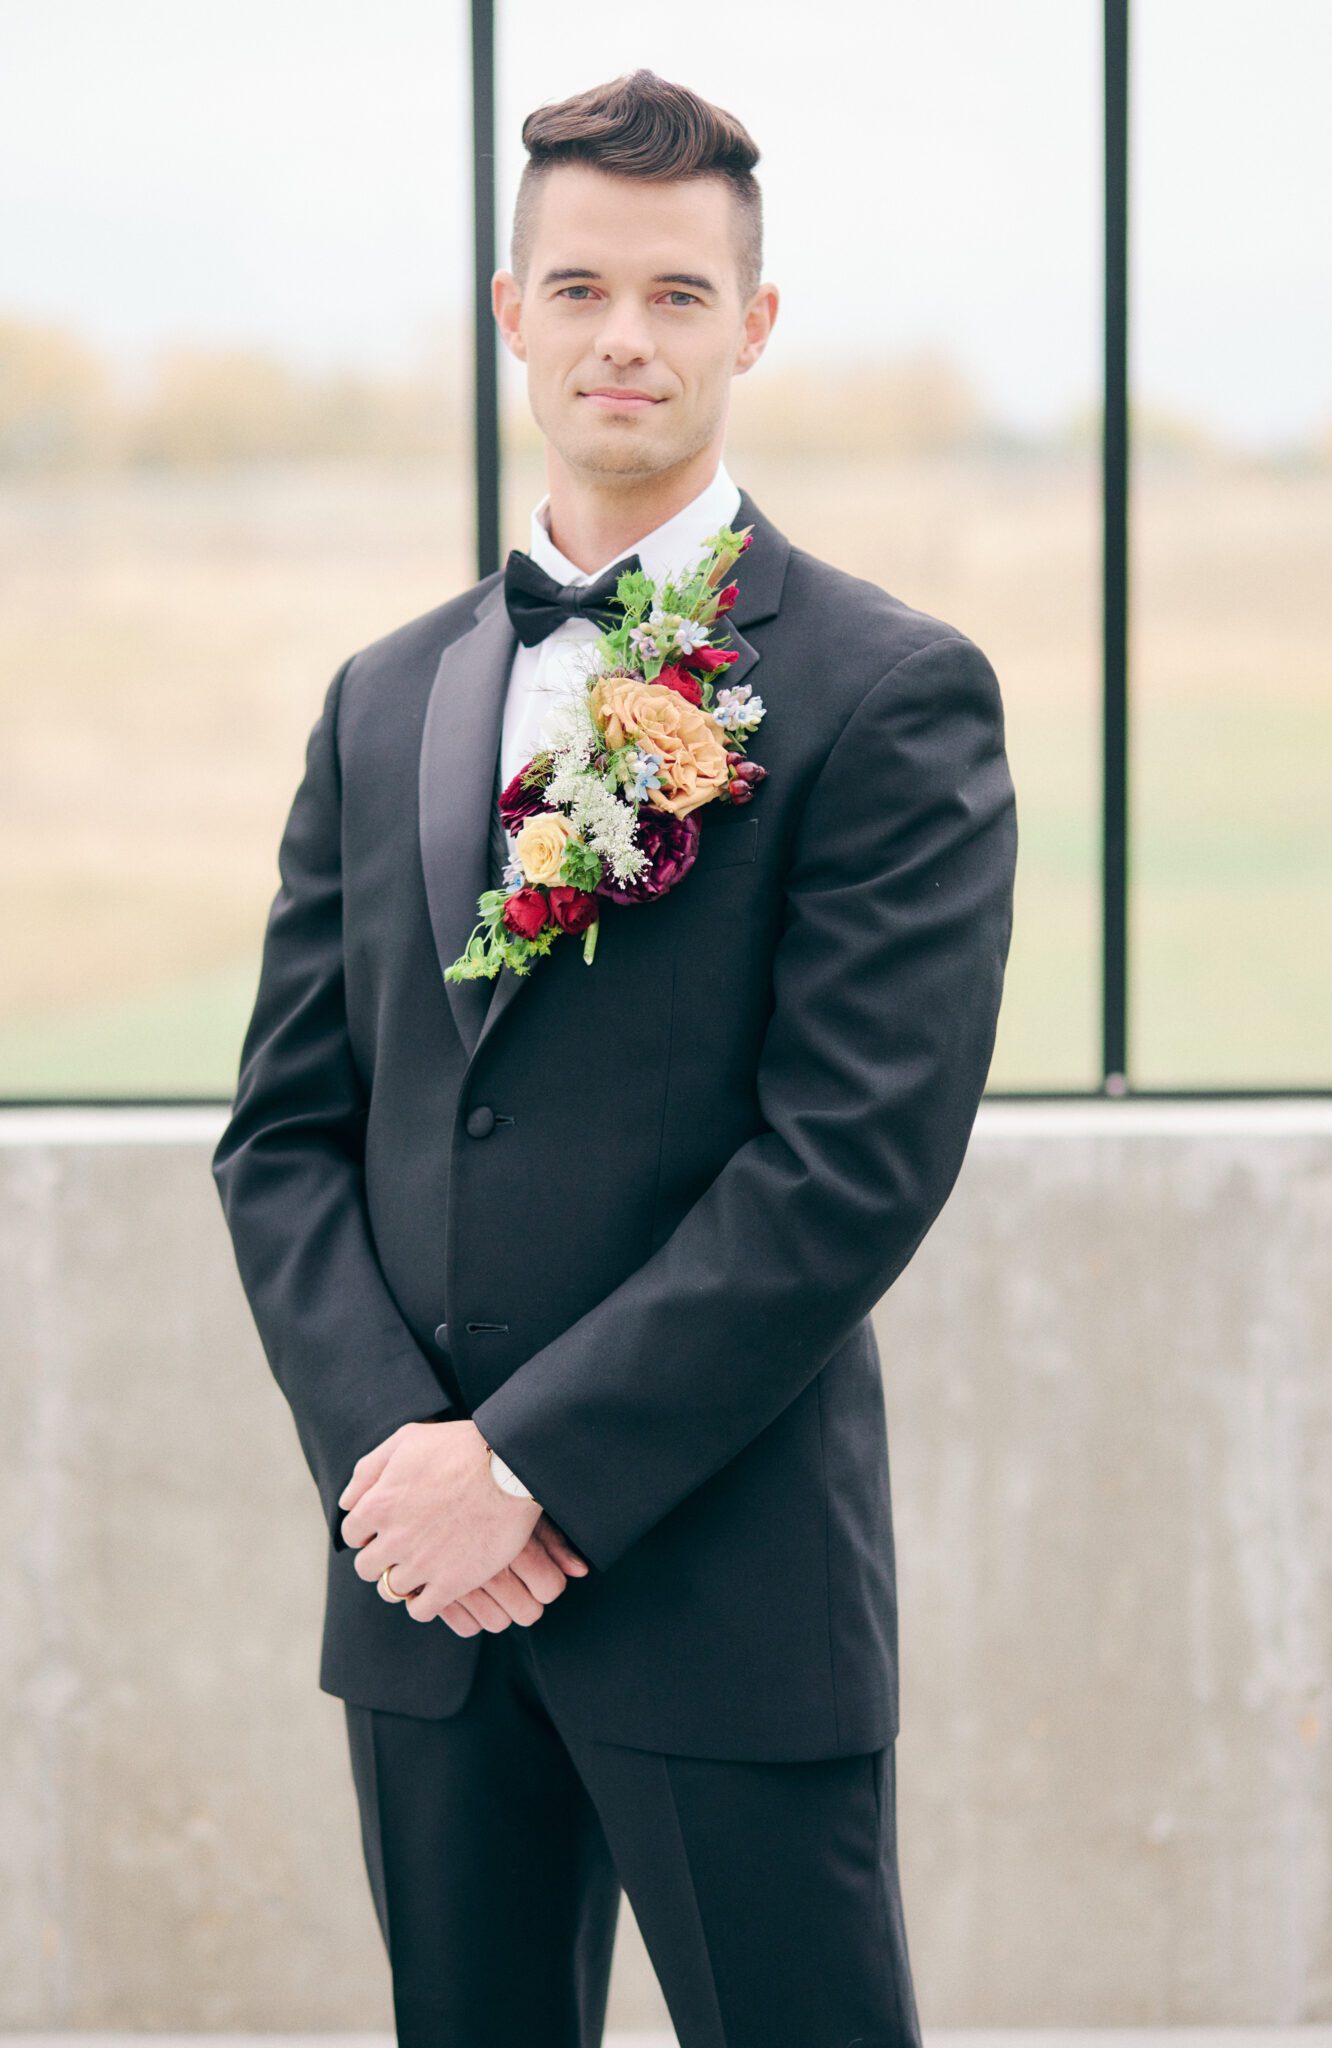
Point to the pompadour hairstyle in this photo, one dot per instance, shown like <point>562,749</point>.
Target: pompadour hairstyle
<point>642,126</point>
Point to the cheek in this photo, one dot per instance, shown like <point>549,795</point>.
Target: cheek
<point>550,368</point>
<point>704,379</point>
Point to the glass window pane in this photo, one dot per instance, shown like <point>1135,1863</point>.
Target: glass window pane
<point>926,413</point>
<point>235,446</point>
<point>1231,936</point>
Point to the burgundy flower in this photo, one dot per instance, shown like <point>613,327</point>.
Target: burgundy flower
<point>670,844</point>
<point>727,597</point>
<point>517,802</point>
<point>572,909</point>
<point>525,912</point>
<point>744,776</point>
<point>677,678</point>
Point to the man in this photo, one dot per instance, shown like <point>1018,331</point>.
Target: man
<point>623,1224</point>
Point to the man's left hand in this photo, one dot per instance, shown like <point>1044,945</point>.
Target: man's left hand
<point>424,1502</point>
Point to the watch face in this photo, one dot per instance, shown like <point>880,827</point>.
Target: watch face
<point>507,1478</point>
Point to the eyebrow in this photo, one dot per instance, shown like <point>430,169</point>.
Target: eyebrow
<point>703,284</point>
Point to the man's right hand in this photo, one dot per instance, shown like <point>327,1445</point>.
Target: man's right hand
<point>525,1587</point>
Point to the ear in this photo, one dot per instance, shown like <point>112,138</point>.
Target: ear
<point>760,315</point>
<point>506,303</point>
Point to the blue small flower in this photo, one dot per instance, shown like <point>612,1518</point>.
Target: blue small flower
<point>644,766</point>
<point>737,706</point>
<point>690,636</point>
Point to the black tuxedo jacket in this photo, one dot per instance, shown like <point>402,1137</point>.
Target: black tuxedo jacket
<point>632,1217</point>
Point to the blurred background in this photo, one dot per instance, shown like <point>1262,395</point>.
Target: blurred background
<point>236,444</point>
<point>243,434</point>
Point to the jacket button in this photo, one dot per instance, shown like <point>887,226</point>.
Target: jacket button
<point>480,1121</point>
<point>442,1336</point>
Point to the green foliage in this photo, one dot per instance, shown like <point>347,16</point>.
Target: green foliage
<point>492,945</point>
<point>634,593</point>
<point>580,865</point>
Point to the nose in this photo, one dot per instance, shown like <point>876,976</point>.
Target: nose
<point>624,335</point>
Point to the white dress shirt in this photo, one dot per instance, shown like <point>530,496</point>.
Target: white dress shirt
<point>542,674</point>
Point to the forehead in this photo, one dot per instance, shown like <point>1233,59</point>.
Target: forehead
<point>617,224</point>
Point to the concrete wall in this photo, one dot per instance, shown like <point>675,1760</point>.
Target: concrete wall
<point>1110,1412</point>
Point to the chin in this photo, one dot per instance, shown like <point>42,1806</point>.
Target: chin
<point>605,457</point>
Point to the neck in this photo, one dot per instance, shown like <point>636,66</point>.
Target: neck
<point>594,518</point>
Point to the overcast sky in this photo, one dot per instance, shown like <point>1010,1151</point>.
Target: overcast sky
<point>296,174</point>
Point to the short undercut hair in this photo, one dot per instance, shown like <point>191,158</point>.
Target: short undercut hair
<point>642,126</point>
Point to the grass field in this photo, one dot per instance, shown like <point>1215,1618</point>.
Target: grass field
<point>165,643</point>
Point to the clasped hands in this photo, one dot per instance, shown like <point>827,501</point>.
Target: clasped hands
<point>424,1502</point>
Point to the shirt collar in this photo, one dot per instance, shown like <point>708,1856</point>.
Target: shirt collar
<point>673,546</point>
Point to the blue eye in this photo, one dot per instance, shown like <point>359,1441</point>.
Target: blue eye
<point>679,293</point>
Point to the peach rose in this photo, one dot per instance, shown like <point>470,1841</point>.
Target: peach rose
<point>539,847</point>
<point>689,740</point>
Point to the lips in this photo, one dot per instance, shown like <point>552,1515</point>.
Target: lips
<point>620,400</point>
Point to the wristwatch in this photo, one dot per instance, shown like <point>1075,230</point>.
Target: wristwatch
<point>505,1477</point>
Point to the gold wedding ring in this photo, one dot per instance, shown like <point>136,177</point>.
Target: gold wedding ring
<point>386,1586</point>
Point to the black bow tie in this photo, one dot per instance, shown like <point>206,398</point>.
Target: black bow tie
<point>537,604</point>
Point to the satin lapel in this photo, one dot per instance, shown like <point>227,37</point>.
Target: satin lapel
<point>459,745</point>
<point>760,574</point>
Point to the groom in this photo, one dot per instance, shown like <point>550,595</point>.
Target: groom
<point>567,1276</point>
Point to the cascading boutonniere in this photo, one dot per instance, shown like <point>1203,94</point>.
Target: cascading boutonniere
<point>609,808</point>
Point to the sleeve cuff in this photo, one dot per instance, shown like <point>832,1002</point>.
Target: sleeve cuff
<point>531,1477</point>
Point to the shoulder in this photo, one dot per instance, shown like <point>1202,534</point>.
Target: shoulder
<point>881,646</point>
<point>411,651</point>
<point>872,628</point>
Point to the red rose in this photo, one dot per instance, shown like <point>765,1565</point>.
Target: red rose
<point>524,912</point>
<point>572,909</point>
<point>677,678</point>
<point>711,658</point>
<point>726,598</point>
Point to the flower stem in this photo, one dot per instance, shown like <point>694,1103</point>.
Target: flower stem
<point>590,940</point>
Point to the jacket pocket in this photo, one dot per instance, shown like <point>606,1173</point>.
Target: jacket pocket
<point>723,843</point>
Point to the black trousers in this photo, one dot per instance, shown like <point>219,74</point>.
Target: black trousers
<point>497,1846</point>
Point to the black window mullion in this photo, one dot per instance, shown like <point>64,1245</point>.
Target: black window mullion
<point>1114,562</point>
<point>485,340</point>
